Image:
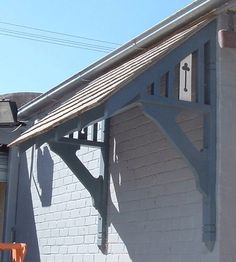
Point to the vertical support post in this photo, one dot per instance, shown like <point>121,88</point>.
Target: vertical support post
<point>98,187</point>
<point>209,201</point>
<point>171,83</point>
<point>11,199</point>
<point>203,163</point>
<point>102,216</point>
<point>95,132</point>
<point>200,75</point>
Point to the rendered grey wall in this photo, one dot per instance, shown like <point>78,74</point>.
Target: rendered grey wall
<point>226,149</point>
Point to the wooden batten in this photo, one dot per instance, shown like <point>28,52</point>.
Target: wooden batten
<point>227,39</point>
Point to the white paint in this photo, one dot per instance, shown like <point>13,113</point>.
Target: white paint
<point>226,144</point>
<point>185,79</point>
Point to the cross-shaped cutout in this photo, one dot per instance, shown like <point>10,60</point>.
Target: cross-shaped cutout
<point>186,68</point>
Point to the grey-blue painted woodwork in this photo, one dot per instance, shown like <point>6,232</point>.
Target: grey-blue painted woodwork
<point>104,171</point>
<point>171,82</point>
<point>68,154</point>
<point>126,96</point>
<point>75,124</point>
<point>80,142</point>
<point>172,103</point>
<point>11,199</point>
<point>163,111</point>
<point>166,120</point>
<point>200,74</point>
<point>209,201</point>
<point>7,135</point>
<point>66,148</point>
<point>203,163</point>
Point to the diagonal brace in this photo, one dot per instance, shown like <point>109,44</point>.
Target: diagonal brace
<point>97,187</point>
<point>94,185</point>
<point>165,118</point>
<point>202,163</point>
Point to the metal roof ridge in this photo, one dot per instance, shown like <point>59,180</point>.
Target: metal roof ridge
<point>190,12</point>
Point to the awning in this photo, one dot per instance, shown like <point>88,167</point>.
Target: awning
<point>102,88</point>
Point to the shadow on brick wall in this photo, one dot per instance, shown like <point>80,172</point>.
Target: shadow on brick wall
<point>136,235</point>
<point>25,221</point>
<point>152,216</point>
<point>45,176</point>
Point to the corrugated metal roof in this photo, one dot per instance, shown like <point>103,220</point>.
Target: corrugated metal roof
<point>99,90</point>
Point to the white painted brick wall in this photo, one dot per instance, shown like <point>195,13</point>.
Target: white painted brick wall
<point>154,209</point>
<point>66,229</point>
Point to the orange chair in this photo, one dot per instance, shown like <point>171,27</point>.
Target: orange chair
<point>18,250</point>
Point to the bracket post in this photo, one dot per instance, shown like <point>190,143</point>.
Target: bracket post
<point>209,202</point>
<point>104,170</point>
<point>97,187</point>
<point>201,162</point>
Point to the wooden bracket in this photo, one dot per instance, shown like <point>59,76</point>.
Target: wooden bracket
<point>165,118</point>
<point>202,162</point>
<point>66,148</point>
<point>67,152</point>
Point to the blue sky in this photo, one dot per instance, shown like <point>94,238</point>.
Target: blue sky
<point>28,66</point>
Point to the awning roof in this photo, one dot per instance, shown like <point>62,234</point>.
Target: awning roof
<point>102,88</point>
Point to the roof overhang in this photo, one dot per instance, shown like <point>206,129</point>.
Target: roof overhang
<point>116,89</point>
<point>166,27</point>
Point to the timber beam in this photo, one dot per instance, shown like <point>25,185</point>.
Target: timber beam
<point>79,142</point>
<point>165,102</point>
